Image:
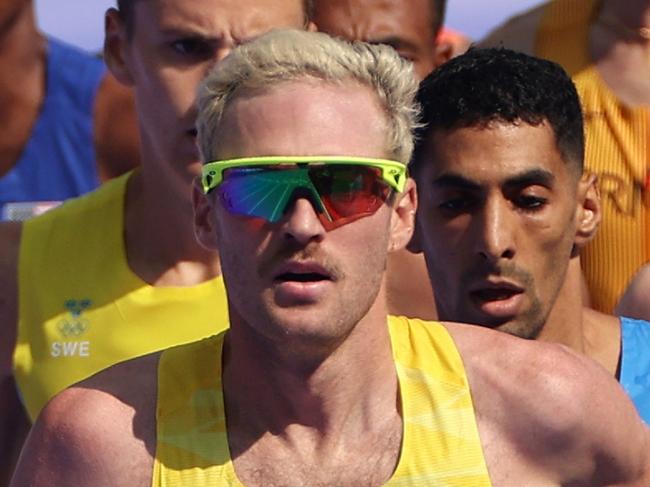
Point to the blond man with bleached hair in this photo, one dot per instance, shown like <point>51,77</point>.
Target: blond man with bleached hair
<point>287,55</point>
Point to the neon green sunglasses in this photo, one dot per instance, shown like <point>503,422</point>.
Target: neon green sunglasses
<point>341,189</point>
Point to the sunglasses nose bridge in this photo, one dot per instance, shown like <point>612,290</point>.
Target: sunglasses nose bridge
<point>306,193</point>
<point>306,190</point>
<point>302,221</point>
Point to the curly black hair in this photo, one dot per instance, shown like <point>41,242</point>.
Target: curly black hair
<point>499,85</point>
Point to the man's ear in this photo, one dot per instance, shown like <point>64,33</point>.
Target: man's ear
<point>403,221</point>
<point>588,212</point>
<point>443,51</point>
<point>415,245</point>
<point>450,44</point>
<point>204,223</point>
<point>116,42</point>
<point>311,27</point>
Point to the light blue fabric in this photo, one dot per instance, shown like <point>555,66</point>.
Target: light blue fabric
<point>58,161</point>
<point>635,363</point>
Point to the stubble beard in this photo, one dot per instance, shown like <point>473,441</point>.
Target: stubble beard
<point>307,339</point>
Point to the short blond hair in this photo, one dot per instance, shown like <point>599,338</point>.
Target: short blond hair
<point>289,55</point>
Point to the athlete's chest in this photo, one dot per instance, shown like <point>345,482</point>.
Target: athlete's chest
<point>367,460</point>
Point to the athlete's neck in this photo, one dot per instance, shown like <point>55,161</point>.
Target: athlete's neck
<point>15,17</point>
<point>22,81</point>
<point>621,51</point>
<point>159,237</point>
<point>580,328</point>
<point>307,403</point>
<point>22,49</point>
<point>564,323</point>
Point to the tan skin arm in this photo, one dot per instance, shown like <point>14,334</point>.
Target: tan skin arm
<point>13,420</point>
<point>116,129</point>
<point>558,416</point>
<point>109,440</point>
<point>14,426</point>
<point>635,303</point>
<point>518,33</point>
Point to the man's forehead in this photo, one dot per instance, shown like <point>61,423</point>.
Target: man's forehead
<point>498,149</point>
<point>349,93</point>
<point>511,134</point>
<point>209,11</point>
<point>303,116</point>
<point>361,6</point>
<point>343,13</point>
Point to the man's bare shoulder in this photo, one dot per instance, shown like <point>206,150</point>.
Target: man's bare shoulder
<point>635,302</point>
<point>10,233</point>
<point>519,366</point>
<point>562,411</point>
<point>518,33</point>
<point>100,432</point>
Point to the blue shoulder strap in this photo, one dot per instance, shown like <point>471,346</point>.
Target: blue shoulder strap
<point>635,363</point>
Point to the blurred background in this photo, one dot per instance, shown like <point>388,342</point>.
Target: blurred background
<point>80,22</point>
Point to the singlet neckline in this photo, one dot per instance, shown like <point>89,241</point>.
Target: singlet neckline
<point>229,467</point>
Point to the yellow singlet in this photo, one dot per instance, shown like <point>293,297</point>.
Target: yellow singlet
<point>81,309</point>
<point>440,443</point>
<point>616,150</point>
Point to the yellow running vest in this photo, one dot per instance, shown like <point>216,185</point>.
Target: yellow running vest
<point>440,445</point>
<point>616,150</point>
<point>81,309</point>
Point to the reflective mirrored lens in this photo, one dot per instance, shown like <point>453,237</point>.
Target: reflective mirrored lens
<point>349,190</point>
<point>337,192</point>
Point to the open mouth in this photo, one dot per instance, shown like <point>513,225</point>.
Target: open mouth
<point>302,277</point>
<point>302,272</point>
<point>497,301</point>
<point>494,294</point>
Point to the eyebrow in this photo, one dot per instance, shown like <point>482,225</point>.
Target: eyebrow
<point>455,181</point>
<point>187,32</point>
<point>540,177</point>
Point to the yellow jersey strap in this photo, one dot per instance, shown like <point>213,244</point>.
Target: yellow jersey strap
<point>440,444</point>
